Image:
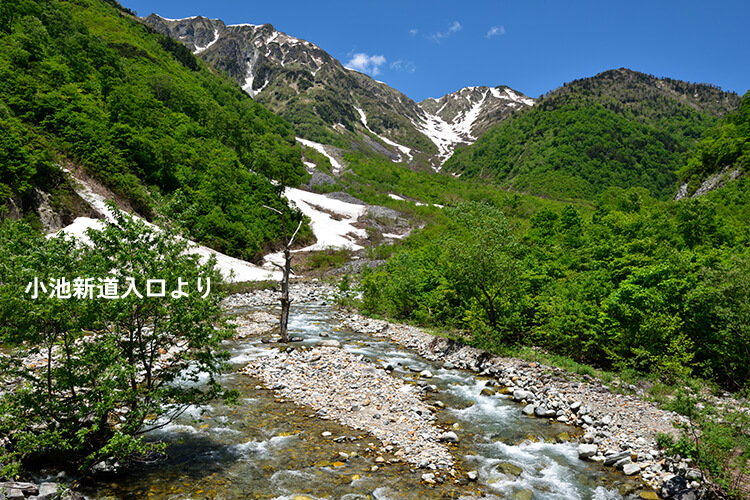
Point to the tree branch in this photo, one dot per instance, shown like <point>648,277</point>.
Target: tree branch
<point>295,234</point>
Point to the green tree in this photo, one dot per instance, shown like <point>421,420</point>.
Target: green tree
<point>91,375</point>
<point>479,256</point>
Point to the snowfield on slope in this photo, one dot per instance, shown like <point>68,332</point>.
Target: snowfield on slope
<point>232,269</point>
<point>332,222</point>
<point>337,166</point>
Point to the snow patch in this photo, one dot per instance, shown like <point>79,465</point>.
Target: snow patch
<point>510,95</point>
<point>241,270</point>
<point>198,50</point>
<point>178,20</point>
<point>464,125</point>
<point>337,166</point>
<point>397,236</point>
<point>441,133</point>
<point>323,212</point>
<point>328,231</point>
<point>404,150</point>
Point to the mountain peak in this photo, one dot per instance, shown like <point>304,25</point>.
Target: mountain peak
<point>328,103</point>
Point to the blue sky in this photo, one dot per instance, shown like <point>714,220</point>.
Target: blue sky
<point>428,49</point>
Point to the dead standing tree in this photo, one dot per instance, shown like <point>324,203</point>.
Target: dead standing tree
<point>286,302</point>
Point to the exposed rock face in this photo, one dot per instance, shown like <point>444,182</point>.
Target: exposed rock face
<point>473,110</point>
<point>711,183</point>
<point>306,86</point>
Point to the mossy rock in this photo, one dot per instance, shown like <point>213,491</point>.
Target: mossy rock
<point>508,469</point>
<point>523,495</point>
<point>563,437</point>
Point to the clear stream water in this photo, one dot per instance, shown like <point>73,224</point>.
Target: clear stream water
<point>262,448</point>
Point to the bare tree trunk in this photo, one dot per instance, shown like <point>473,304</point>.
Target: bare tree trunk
<point>286,302</point>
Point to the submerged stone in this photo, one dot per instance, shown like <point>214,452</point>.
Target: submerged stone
<point>509,469</point>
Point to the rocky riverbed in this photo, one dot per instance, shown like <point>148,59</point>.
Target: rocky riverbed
<point>308,291</point>
<point>342,386</point>
<point>619,429</point>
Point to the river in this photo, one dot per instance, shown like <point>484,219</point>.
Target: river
<point>264,448</point>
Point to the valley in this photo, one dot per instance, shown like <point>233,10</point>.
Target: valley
<point>496,296</point>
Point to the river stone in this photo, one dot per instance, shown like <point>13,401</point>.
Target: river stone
<point>425,374</point>
<point>622,463</point>
<point>672,486</point>
<point>11,493</point>
<point>542,412</point>
<point>528,409</point>
<point>329,343</point>
<point>575,406</point>
<point>508,469</point>
<point>520,395</point>
<point>449,437</point>
<point>449,365</point>
<point>587,450</point>
<point>523,495</point>
<point>47,491</point>
<point>473,475</point>
<point>626,489</point>
<point>649,495</point>
<point>631,469</point>
<point>487,392</point>
<point>613,458</point>
<point>28,488</point>
<point>693,475</point>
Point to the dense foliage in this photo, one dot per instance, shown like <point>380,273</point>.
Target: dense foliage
<point>84,82</point>
<point>638,284</point>
<point>88,367</point>
<point>618,129</point>
<point>725,147</point>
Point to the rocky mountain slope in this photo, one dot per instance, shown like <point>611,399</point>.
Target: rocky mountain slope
<point>330,104</point>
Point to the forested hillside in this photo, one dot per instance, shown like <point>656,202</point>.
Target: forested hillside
<point>639,284</point>
<point>85,85</point>
<point>618,129</point>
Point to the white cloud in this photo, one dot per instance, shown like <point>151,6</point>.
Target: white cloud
<point>453,28</point>
<point>496,31</point>
<point>413,31</point>
<point>402,65</point>
<point>366,63</point>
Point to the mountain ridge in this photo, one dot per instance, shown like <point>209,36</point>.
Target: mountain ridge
<point>620,128</point>
<point>331,104</point>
